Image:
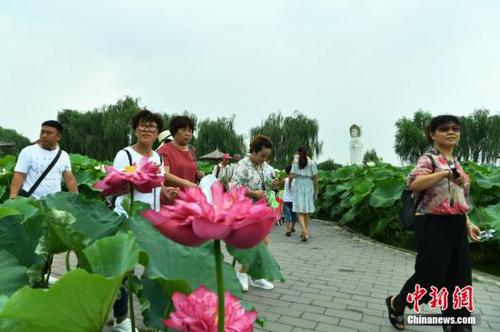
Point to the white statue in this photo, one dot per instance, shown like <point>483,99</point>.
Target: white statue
<point>356,146</point>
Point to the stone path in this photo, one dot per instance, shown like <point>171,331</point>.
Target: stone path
<point>338,281</point>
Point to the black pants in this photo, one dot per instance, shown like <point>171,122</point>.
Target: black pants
<point>443,260</point>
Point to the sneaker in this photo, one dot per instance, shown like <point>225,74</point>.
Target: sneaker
<point>243,279</point>
<point>261,283</point>
<point>52,280</point>
<point>124,326</point>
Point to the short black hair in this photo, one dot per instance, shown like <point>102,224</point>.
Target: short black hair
<point>145,115</point>
<point>54,124</point>
<point>438,121</point>
<point>259,142</point>
<point>180,121</point>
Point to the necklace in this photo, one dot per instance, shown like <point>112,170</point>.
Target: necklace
<point>261,174</point>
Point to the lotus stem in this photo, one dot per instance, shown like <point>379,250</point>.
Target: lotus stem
<point>131,273</point>
<point>131,301</point>
<point>66,260</point>
<point>220,285</point>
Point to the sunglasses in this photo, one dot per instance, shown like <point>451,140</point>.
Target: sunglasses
<point>445,129</point>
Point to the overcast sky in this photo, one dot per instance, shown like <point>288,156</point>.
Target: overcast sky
<point>341,62</point>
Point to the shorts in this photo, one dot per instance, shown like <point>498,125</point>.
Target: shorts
<point>288,214</point>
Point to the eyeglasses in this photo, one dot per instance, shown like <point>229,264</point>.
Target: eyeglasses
<point>144,127</point>
<point>445,129</point>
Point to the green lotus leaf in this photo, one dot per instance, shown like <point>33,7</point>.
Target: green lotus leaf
<point>7,211</point>
<point>114,255</point>
<point>155,299</point>
<point>168,260</point>
<point>386,193</point>
<point>12,274</point>
<point>258,261</point>
<point>20,238</point>
<point>489,181</point>
<point>92,217</point>
<point>78,302</point>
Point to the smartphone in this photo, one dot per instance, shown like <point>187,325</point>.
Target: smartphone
<point>486,235</point>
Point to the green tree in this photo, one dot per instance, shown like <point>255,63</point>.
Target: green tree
<point>287,133</point>
<point>219,133</point>
<point>480,137</point>
<point>410,138</point>
<point>329,165</point>
<point>370,155</point>
<point>99,133</point>
<point>12,136</point>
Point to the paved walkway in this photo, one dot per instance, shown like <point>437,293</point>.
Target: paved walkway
<point>338,281</point>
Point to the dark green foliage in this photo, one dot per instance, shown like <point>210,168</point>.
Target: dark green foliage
<point>287,133</point>
<point>329,165</point>
<point>370,155</point>
<point>12,136</point>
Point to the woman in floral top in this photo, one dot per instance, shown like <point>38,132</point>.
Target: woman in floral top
<point>442,226</point>
<point>254,173</point>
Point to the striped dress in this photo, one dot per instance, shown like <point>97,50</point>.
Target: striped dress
<point>303,187</point>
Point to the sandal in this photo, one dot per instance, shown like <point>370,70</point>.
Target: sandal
<point>289,233</point>
<point>397,319</point>
<point>304,237</point>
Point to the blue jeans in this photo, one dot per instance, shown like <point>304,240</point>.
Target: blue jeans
<point>288,214</point>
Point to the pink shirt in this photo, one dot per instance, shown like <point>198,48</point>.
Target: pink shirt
<point>445,197</point>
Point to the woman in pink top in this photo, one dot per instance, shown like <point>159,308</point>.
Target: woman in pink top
<point>179,156</point>
<point>441,226</point>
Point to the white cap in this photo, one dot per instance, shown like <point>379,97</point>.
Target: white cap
<point>164,135</point>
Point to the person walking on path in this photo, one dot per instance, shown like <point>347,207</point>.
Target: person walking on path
<point>304,176</point>
<point>289,216</point>
<point>41,167</point>
<point>441,228</point>
<point>254,173</point>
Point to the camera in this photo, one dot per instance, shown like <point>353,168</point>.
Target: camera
<point>454,169</point>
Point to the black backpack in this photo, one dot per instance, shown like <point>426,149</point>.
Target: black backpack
<point>407,213</point>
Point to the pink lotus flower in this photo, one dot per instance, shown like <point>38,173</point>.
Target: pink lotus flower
<point>233,217</point>
<point>198,312</point>
<point>143,177</point>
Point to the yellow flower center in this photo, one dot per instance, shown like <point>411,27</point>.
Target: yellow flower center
<point>130,169</point>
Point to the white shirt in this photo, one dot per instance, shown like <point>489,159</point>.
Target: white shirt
<point>288,195</point>
<point>33,160</point>
<point>224,172</point>
<point>153,198</point>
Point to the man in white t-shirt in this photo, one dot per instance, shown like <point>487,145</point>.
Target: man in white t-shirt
<point>35,159</point>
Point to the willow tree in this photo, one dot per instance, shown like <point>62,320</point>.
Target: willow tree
<point>287,133</point>
<point>480,137</point>
<point>99,133</point>
<point>410,138</point>
<point>219,134</point>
